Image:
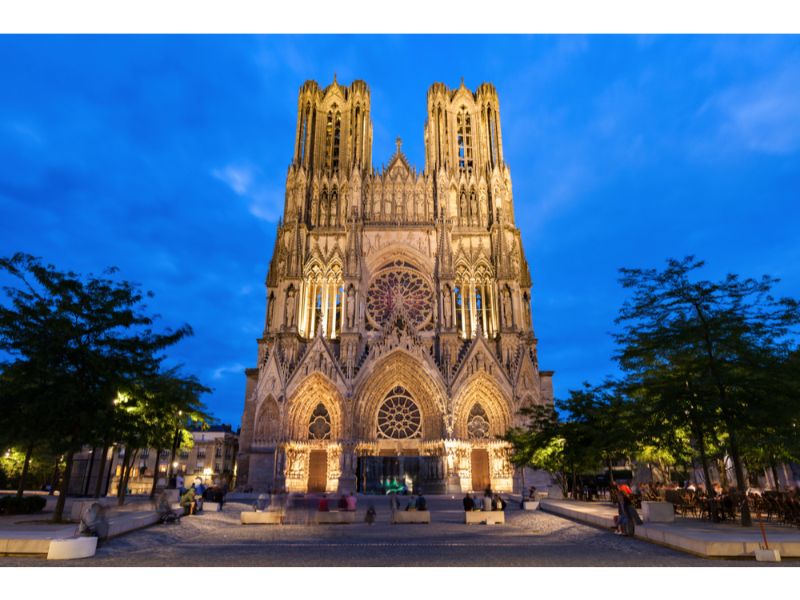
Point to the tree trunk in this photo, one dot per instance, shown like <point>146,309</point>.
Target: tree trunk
<point>24,474</point>
<point>701,446</point>
<point>127,475</point>
<point>747,520</point>
<point>89,472</point>
<point>170,473</point>
<point>155,475</point>
<point>100,470</point>
<point>58,513</point>
<point>54,482</point>
<point>121,481</point>
<point>110,470</point>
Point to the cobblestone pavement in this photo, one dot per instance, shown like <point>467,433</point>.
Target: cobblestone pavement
<point>527,539</point>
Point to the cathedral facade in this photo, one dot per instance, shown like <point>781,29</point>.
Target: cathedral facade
<point>398,344</point>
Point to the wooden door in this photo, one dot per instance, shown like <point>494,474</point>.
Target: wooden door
<point>480,470</point>
<point>317,471</point>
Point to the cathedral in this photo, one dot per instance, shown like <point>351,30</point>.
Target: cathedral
<point>398,345</point>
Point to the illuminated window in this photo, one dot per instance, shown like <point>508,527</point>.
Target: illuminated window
<point>399,416</point>
<point>464,139</point>
<point>477,423</point>
<point>319,425</point>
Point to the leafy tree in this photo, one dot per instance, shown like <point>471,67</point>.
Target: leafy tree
<point>83,340</point>
<point>694,351</point>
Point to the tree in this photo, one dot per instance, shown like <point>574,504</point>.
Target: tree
<point>691,348</point>
<point>83,340</point>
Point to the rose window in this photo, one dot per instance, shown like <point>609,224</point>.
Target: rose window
<point>401,291</point>
<point>319,425</point>
<point>477,423</point>
<point>399,416</point>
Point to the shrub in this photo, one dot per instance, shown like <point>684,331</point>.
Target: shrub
<point>11,505</point>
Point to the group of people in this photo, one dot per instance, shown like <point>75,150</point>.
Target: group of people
<point>191,499</point>
<point>346,503</point>
<point>490,501</point>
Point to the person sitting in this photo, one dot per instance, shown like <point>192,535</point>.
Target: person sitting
<point>421,503</point>
<point>498,503</point>
<point>342,505</point>
<point>323,504</point>
<point>350,503</point>
<point>468,502</point>
<point>369,518</point>
<point>532,493</point>
<point>164,510</point>
<point>188,502</point>
<point>487,500</point>
<point>412,503</point>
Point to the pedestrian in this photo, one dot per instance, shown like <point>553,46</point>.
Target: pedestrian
<point>468,503</point>
<point>323,504</point>
<point>394,505</point>
<point>421,503</point>
<point>369,518</point>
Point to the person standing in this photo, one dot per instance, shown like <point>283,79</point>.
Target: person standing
<point>369,518</point>
<point>468,503</point>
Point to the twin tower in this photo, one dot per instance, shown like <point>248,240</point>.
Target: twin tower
<point>398,344</point>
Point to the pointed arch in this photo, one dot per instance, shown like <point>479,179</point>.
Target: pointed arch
<point>481,390</point>
<point>268,421</point>
<point>304,403</point>
<point>399,370</point>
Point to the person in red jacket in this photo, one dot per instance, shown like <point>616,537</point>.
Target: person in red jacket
<point>323,503</point>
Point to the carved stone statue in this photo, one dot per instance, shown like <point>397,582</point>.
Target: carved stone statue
<point>270,309</point>
<point>351,307</point>
<point>290,307</point>
<point>446,306</point>
<point>506,309</point>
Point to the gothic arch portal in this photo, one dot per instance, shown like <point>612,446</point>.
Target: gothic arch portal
<point>481,390</point>
<point>314,391</point>
<point>399,370</point>
<point>268,421</point>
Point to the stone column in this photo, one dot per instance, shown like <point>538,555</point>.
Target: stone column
<point>347,478</point>
<point>453,481</point>
<point>280,469</point>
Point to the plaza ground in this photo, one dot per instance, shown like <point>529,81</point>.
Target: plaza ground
<point>527,539</point>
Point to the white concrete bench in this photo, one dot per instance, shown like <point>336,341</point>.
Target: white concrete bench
<point>530,505</point>
<point>490,517</point>
<point>335,516</point>
<point>211,506</point>
<point>412,516</point>
<point>130,521</point>
<point>266,517</point>
<point>658,512</point>
<point>70,548</point>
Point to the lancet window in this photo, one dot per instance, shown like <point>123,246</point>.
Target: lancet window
<point>464,139</point>
<point>322,301</point>
<point>476,302</point>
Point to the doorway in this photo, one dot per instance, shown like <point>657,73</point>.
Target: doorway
<point>317,471</point>
<point>480,470</point>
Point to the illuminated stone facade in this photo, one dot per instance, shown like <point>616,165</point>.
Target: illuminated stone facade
<point>398,342</point>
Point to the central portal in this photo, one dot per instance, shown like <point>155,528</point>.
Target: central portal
<point>399,474</point>
<point>318,471</point>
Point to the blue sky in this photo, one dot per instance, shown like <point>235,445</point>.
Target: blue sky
<point>166,157</point>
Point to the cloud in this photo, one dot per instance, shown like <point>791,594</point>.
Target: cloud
<point>225,370</point>
<point>763,116</point>
<point>265,202</point>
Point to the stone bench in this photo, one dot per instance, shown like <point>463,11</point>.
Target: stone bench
<point>266,517</point>
<point>71,548</point>
<point>335,516</point>
<point>658,512</point>
<point>490,517</point>
<point>412,516</point>
<point>530,505</point>
<point>211,506</point>
<point>130,521</point>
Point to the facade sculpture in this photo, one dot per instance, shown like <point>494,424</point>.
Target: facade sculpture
<point>398,344</point>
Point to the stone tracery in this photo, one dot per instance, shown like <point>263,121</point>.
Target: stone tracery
<point>398,321</point>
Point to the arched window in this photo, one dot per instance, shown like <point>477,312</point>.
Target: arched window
<point>267,423</point>
<point>464,139</point>
<point>337,132</point>
<point>477,423</point>
<point>328,139</point>
<point>399,417</point>
<point>319,425</point>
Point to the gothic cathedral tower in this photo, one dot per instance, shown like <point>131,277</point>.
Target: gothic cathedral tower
<point>398,343</point>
